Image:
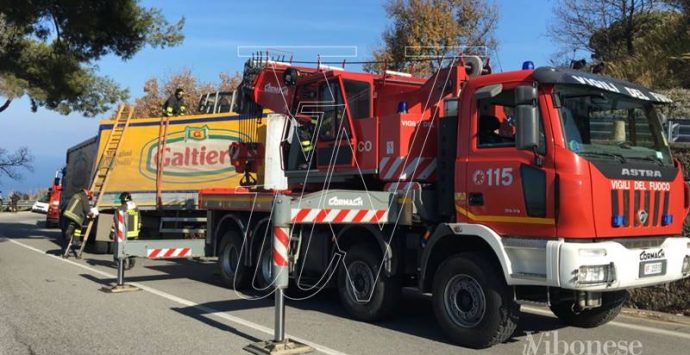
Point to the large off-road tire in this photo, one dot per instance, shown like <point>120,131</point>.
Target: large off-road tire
<point>261,274</point>
<point>233,271</point>
<point>472,302</point>
<point>611,304</point>
<point>264,269</point>
<point>367,293</point>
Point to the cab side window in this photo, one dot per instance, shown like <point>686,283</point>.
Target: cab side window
<point>332,107</point>
<point>496,126</point>
<point>358,98</point>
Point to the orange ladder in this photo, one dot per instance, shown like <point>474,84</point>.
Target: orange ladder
<point>106,163</point>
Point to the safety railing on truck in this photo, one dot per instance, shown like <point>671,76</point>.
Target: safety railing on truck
<point>218,102</point>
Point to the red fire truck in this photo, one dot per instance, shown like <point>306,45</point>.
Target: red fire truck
<point>54,192</point>
<point>487,190</point>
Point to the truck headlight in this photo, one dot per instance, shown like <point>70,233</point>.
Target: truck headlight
<point>686,265</point>
<point>595,274</point>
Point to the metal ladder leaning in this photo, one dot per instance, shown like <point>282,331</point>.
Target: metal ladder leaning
<point>160,153</point>
<point>106,163</point>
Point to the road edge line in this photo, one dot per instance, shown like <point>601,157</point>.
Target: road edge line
<point>620,324</point>
<point>182,301</point>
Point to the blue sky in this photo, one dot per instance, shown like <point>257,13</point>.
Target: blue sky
<point>215,29</point>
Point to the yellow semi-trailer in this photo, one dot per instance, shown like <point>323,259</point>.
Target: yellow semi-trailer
<point>195,156</point>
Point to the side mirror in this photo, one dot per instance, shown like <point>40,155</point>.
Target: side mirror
<point>527,135</point>
<point>524,95</point>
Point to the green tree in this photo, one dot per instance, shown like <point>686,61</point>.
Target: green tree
<point>680,108</point>
<point>662,60</point>
<point>605,28</point>
<point>433,29</point>
<point>49,49</point>
<point>646,41</point>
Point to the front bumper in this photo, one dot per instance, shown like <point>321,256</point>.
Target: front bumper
<point>626,268</point>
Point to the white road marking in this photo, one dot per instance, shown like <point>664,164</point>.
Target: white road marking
<point>641,328</point>
<point>318,347</point>
<point>185,302</point>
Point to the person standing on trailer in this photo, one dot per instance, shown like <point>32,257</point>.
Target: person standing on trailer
<point>74,216</point>
<point>175,105</point>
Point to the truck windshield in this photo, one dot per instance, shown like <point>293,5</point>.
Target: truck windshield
<point>605,125</point>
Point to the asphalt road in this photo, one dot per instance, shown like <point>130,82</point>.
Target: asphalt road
<point>49,305</point>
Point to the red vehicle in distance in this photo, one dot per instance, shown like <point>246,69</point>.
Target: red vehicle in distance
<point>53,215</point>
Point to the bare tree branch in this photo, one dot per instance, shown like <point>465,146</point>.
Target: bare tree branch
<point>5,105</point>
<point>11,163</point>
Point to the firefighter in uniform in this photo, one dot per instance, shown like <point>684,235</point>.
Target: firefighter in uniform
<point>305,134</point>
<point>14,200</point>
<point>74,216</point>
<point>133,223</point>
<point>175,105</point>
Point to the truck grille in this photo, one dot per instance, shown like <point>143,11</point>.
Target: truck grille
<point>642,209</point>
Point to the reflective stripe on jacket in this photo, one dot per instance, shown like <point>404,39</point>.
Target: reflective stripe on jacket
<point>174,106</point>
<point>77,208</point>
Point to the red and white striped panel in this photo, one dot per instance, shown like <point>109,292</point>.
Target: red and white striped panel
<point>120,225</point>
<point>396,168</point>
<point>281,242</point>
<point>337,215</point>
<point>168,253</point>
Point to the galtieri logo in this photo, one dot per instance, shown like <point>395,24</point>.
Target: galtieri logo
<point>195,154</point>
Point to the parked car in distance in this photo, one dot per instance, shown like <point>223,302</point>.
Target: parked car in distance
<point>40,207</point>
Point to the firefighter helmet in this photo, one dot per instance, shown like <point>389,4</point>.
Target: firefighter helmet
<point>125,196</point>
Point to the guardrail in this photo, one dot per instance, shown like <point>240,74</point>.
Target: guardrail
<point>678,131</point>
<point>22,205</point>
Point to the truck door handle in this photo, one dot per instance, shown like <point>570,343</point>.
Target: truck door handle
<point>476,199</point>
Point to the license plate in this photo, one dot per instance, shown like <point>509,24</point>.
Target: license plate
<point>652,268</point>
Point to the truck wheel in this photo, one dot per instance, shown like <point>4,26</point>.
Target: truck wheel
<point>611,304</point>
<point>367,294</point>
<point>472,302</point>
<point>233,272</point>
<point>264,269</point>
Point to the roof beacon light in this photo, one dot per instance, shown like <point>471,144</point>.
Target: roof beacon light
<point>402,107</point>
<point>527,65</point>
